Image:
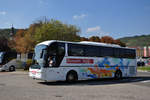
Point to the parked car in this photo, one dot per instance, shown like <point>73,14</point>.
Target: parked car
<point>140,62</point>
<point>8,61</point>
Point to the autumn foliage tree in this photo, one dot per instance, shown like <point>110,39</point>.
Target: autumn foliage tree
<point>84,39</point>
<point>19,40</point>
<point>29,36</point>
<point>120,43</point>
<point>95,39</point>
<point>42,30</point>
<point>107,39</point>
<point>104,39</point>
<point>24,39</point>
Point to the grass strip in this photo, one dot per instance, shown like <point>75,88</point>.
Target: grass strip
<point>145,68</point>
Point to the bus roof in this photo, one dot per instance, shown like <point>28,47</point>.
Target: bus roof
<point>84,43</point>
<point>99,44</point>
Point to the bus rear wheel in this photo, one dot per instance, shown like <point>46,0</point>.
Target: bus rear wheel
<point>12,68</point>
<point>118,74</point>
<point>72,77</point>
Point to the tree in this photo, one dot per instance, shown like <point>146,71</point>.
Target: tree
<point>107,39</point>
<point>56,30</point>
<point>6,32</point>
<point>120,43</point>
<point>84,39</point>
<point>39,31</point>
<point>104,39</point>
<point>20,44</point>
<point>95,39</point>
<point>29,40</point>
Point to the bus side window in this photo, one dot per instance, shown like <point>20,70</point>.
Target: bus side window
<point>130,53</point>
<point>52,49</point>
<point>61,49</point>
<point>117,52</point>
<point>75,50</point>
<point>92,51</point>
<point>107,51</point>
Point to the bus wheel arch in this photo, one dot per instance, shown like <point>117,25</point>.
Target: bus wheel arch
<point>12,68</point>
<point>118,74</point>
<point>72,76</point>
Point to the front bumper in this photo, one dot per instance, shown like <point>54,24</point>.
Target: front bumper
<point>35,74</point>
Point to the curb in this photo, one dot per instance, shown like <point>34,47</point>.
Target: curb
<point>20,72</point>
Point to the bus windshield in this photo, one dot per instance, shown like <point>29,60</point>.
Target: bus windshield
<point>39,56</point>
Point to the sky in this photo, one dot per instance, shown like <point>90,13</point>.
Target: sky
<point>115,18</point>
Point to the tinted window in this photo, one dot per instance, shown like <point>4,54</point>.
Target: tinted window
<point>99,51</point>
<point>56,54</point>
<point>52,49</point>
<point>75,50</point>
<point>133,53</point>
<point>124,53</point>
<point>117,52</point>
<point>92,51</point>
<point>61,49</point>
<point>107,51</point>
<point>129,53</point>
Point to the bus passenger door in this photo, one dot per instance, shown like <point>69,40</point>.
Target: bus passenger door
<point>56,53</point>
<point>60,53</point>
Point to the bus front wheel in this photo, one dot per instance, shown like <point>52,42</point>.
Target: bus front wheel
<point>72,76</point>
<point>118,74</point>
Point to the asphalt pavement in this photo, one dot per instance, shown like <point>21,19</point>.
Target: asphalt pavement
<point>18,86</point>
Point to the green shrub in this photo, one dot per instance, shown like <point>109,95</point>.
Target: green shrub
<point>19,64</point>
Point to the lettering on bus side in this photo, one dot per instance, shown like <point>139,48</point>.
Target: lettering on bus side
<point>79,61</point>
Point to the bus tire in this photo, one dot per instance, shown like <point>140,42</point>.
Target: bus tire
<point>12,68</point>
<point>72,76</point>
<point>118,74</point>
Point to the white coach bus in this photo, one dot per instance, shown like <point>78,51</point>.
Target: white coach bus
<point>8,61</point>
<point>59,60</point>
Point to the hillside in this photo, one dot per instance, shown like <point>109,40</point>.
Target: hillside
<point>143,40</point>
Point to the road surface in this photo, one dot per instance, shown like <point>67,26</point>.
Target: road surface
<point>18,86</point>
